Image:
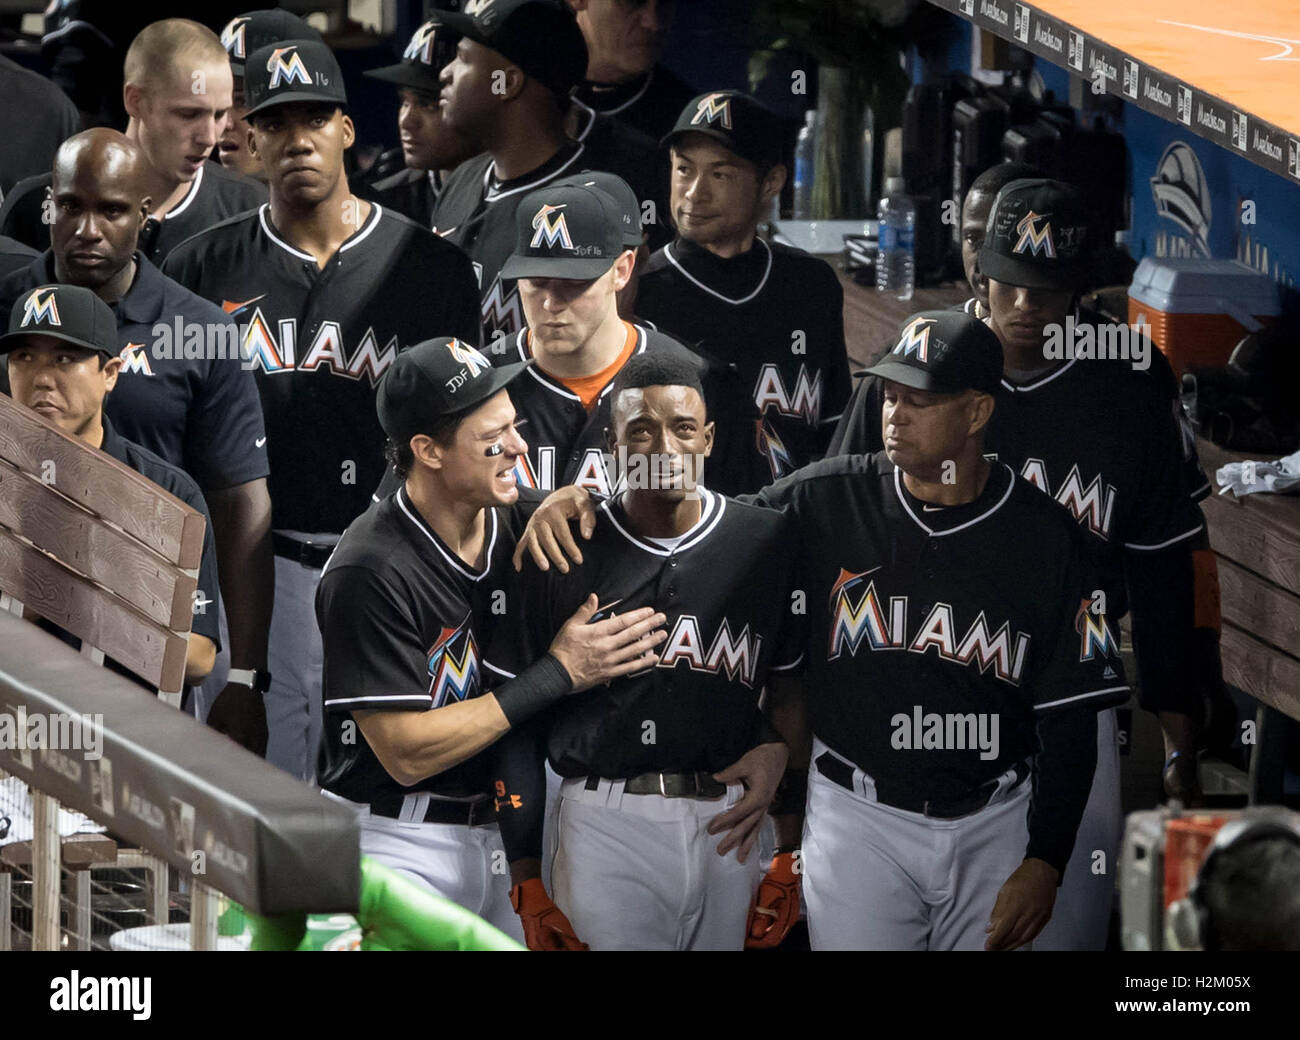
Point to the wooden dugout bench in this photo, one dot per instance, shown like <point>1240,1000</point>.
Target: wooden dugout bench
<point>1257,540</point>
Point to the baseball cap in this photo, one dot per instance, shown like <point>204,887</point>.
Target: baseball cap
<point>944,351</point>
<point>540,36</point>
<point>1036,236</point>
<point>292,70</point>
<point>435,379</point>
<point>566,231</point>
<point>67,312</point>
<point>253,30</point>
<point>432,46</point>
<point>736,120</point>
<point>621,192</point>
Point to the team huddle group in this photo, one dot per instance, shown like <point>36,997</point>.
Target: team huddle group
<point>465,569</point>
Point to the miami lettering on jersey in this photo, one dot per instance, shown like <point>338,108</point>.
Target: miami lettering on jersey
<point>804,402</point>
<point>857,618</point>
<point>276,352</point>
<point>592,473</point>
<point>454,672</point>
<point>772,448</point>
<point>1091,505</point>
<point>736,655</point>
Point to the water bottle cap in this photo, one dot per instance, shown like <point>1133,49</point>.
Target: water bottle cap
<point>894,185</point>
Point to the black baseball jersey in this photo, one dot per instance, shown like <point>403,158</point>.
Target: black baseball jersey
<point>199,413</point>
<point>770,323</point>
<point>922,617</point>
<point>412,193</point>
<point>1098,437</point>
<point>566,443</point>
<point>215,194</point>
<point>403,623</point>
<point>320,338</point>
<point>477,212</point>
<point>725,587</point>
<point>649,103</point>
<point>35,119</point>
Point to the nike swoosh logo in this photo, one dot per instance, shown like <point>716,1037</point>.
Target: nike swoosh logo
<point>444,232</point>
<point>930,509</point>
<point>230,306</point>
<point>260,441</point>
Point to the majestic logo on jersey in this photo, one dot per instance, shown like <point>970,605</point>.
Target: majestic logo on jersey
<point>857,617</point>
<point>275,351</point>
<point>135,359</point>
<point>804,402</point>
<point>1032,237</point>
<point>232,37</point>
<point>503,314</point>
<point>551,228</point>
<point>915,339</point>
<point>736,656</point>
<point>40,308</point>
<point>286,70</point>
<point>421,46</point>
<point>771,447</point>
<point>469,357</point>
<point>1095,636</point>
<point>1091,505</point>
<point>454,672</point>
<point>716,108</point>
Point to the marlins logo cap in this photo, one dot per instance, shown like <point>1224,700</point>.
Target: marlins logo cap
<point>1036,236</point>
<point>431,48</point>
<point>566,231</point>
<point>736,120</point>
<point>253,30</point>
<point>945,352</point>
<point>435,379</point>
<point>292,70</point>
<point>540,36</point>
<point>621,192</point>
<point>67,312</point>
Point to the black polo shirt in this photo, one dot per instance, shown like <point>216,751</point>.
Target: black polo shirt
<point>215,194</point>
<point>200,414</point>
<point>14,255</point>
<point>35,119</point>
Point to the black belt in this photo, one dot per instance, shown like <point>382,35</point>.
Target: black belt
<point>670,785</point>
<point>309,554</point>
<point>836,770</point>
<point>480,813</point>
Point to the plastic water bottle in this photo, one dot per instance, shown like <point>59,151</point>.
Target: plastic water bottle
<point>805,151</point>
<point>896,264</point>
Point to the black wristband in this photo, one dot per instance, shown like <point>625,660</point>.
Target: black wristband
<point>791,794</point>
<point>538,686</point>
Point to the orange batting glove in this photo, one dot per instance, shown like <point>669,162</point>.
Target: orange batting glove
<point>776,905</point>
<point>545,927</point>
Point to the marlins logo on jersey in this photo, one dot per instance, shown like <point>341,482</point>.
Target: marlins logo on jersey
<point>1095,636</point>
<point>772,448</point>
<point>40,309</point>
<point>1033,238</point>
<point>857,616</point>
<point>232,37</point>
<point>135,358</point>
<point>716,108</point>
<point>454,672</point>
<point>551,228</point>
<point>287,70</point>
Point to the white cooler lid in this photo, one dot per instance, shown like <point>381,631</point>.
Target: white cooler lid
<point>1200,285</point>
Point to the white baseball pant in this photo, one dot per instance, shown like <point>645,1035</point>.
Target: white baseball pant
<point>1081,917</point>
<point>464,864</point>
<point>295,657</point>
<point>879,878</point>
<point>641,872</point>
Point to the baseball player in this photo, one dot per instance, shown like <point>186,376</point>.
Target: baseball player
<point>62,355</point>
<point>177,125</point>
<point>974,219</point>
<point>668,772</point>
<point>624,78</point>
<point>768,318</point>
<point>198,411</point>
<point>406,602</point>
<point>535,49</point>
<point>1123,479</point>
<point>430,148</point>
<point>327,288</point>
<point>242,35</point>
